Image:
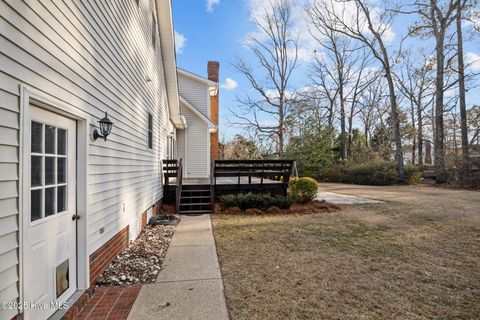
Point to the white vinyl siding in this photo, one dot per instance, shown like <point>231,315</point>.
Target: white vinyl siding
<point>198,148</point>
<point>94,56</point>
<point>196,93</point>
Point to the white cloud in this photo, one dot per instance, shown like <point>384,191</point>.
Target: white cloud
<point>229,84</point>
<point>211,4</point>
<point>300,24</point>
<point>473,60</point>
<point>179,42</point>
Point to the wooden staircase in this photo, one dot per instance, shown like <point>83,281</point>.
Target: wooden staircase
<point>195,199</point>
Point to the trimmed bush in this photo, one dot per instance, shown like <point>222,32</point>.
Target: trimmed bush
<point>255,201</point>
<point>375,173</point>
<point>302,190</point>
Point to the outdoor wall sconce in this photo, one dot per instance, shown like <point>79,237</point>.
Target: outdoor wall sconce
<point>105,128</point>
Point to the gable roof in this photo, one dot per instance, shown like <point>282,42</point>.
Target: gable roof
<point>196,77</point>
<point>167,46</point>
<point>198,113</point>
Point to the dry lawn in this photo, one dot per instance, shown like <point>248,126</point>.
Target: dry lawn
<point>415,257</point>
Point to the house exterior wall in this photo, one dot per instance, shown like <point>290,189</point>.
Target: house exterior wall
<point>197,150</point>
<point>195,92</point>
<point>95,57</point>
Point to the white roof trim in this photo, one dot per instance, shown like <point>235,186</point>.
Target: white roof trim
<point>167,46</point>
<point>198,113</point>
<point>196,77</point>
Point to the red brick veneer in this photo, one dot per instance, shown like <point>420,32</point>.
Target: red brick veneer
<point>144,220</point>
<point>104,255</point>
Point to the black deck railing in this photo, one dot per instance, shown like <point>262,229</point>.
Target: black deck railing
<point>173,168</point>
<point>256,171</point>
<point>178,185</point>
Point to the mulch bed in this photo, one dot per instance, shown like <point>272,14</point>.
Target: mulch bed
<point>296,209</point>
<point>141,261</point>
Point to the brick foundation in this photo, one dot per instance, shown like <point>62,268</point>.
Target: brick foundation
<point>156,207</point>
<point>104,255</point>
<point>143,222</point>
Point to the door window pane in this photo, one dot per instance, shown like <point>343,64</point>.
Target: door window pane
<point>37,137</point>
<point>49,201</point>
<point>61,199</point>
<point>36,169</point>
<point>49,170</point>
<point>36,205</point>
<point>61,170</point>
<point>62,141</point>
<point>49,139</point>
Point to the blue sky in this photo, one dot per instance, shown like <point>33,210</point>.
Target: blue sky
<point>214,30</point>
<point>214,35</point>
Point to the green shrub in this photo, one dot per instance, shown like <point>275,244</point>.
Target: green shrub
<point>255,200</point>
<point>377,173</point>
<point>302,189</point>
<point>413,173</point>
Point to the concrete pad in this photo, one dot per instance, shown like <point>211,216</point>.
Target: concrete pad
<point>190,263</point>
<point>337,198</point>
<point>199,300</point>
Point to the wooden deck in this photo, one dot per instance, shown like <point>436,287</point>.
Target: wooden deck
<point>197,195</point>
<point>223,181</point>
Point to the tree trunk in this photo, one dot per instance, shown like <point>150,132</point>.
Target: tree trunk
<point>281,131</point>
<point>343,135</point>
<point>350,131</point>
<point>420,132</point>
<point>463,105</point>
<point>396,125</point>
<point>439,139</point>
<point>414,138</point>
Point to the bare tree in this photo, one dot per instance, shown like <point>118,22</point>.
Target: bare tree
<point>364,78</point>
<point>368,30</point>
<point>275,49</point>
<point>461,87</point>
<point>437,16</point>
<point>372,108</point>
<point>334,65</point>
<point>415,82</point>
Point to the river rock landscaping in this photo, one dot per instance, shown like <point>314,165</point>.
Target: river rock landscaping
<point>141,261</point>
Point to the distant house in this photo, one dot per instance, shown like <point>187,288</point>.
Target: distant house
<point>70,203</point>
<point>427,155</point>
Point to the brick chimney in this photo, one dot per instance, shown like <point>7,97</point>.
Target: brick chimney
<point>213,73</point>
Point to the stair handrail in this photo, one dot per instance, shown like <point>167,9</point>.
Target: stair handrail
<point>178,185</point>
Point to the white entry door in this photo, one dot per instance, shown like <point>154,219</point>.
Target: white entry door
<point>49,248</point>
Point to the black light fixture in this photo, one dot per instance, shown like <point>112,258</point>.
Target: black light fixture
<point>105,128</point>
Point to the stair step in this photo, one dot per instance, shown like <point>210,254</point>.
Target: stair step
<point>184,191</point>
<point>195,197</point>
<point>195,187</point>
<point>194,211</point>
<point>196,204</point>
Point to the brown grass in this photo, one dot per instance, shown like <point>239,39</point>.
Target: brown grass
<point>415,257</point>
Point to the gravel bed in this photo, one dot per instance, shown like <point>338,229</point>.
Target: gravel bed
<point>141,261</point>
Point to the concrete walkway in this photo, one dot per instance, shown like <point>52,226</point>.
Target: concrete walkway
<point>189,286</point>
<point>338,198</point>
